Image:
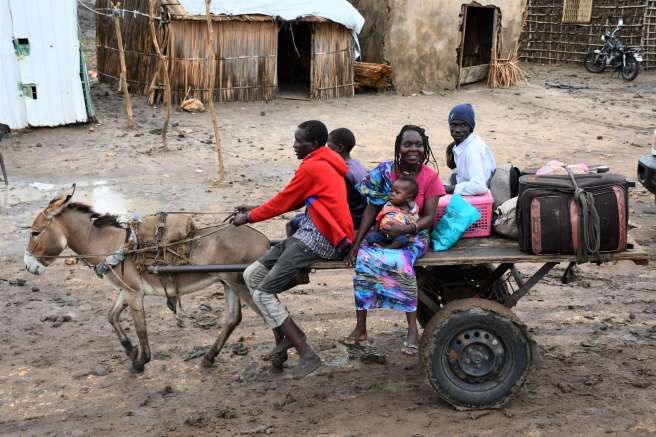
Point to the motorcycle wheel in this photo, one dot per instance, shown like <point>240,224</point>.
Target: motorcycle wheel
<point>594,62</point>
<point>630,69</point>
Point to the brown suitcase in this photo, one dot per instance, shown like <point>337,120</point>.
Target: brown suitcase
<point>549,217</point>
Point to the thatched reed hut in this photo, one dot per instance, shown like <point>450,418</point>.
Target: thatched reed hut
<point>260,50</point>
<point>559,31</point>
<point>436,44</point>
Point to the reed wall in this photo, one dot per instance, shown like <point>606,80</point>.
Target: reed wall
<point>332,62</point>
<point>547,40</point>
<point>140,58</point>
<point>246,55</point>
<point>245,62</point>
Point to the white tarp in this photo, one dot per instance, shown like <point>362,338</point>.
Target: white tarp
<point>51,69</point>
<point>339,11</point>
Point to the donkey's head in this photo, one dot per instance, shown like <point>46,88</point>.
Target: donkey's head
<point>47,236</point>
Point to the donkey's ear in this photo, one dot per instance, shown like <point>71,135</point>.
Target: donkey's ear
<point>58,204</point>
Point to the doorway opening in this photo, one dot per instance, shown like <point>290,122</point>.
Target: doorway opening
<point>478,42</point>
<point>295,59</point>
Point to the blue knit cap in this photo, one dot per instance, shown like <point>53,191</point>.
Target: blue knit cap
<point>463,112</point>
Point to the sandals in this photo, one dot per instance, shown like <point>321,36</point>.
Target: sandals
<point>409,349</point>
<point>350,341</point>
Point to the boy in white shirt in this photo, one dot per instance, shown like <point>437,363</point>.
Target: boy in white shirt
<point>469,154</point>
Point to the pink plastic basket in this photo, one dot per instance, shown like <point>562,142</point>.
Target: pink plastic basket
<point>483,203</point>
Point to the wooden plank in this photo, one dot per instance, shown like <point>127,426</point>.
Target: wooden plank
<point>474,73</point>
<point>498,250</point>
<point>463,30</point>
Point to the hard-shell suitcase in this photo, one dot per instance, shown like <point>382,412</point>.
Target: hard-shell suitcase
<point>549,216</point>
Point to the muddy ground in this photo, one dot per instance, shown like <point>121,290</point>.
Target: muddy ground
<point>69,376</point>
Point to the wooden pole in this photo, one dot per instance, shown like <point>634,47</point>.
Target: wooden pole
<point>150,90</point>
<point>163,68</point>
<point>124,72</point>
<point>211,73</point>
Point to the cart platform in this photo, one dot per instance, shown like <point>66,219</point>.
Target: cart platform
<point>494,250</point>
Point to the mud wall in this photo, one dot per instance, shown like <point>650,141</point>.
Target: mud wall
<point>372,35</point>
<point>420,38</point>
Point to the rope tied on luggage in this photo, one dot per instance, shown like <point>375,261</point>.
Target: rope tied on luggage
<point>589,234</point>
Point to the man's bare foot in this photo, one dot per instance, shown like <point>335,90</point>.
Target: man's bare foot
<point>308,363</point>
<point>280,349</point>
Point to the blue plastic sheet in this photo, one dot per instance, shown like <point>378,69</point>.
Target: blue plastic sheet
<point>459,215</point>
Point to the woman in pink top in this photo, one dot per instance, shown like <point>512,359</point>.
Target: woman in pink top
<point>385,278</point>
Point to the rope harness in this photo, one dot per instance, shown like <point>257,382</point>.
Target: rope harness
<point>589,223</point>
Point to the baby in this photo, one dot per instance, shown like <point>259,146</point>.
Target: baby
<point>400,209</point>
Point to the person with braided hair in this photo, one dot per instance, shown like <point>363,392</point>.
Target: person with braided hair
<point>385,277</point>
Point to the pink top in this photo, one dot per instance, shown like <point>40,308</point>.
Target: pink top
<point>429,184</point>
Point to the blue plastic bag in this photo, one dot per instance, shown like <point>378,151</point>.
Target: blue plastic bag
<point>459,215</point>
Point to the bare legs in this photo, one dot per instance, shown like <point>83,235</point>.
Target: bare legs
<point>309,361</point>
<point>360,332</point>
<point>413,333</point>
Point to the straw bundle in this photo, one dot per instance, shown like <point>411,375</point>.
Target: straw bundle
<point>505,73</point>
<point>372,75</point>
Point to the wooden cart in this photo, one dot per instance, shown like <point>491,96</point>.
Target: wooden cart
<point>476,352</point>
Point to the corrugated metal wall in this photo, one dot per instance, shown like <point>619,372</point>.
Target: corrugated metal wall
<point>49,68</point>
<point>12,108</point>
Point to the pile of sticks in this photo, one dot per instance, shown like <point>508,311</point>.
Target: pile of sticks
<point>505,73</point>
<point>367,74</point>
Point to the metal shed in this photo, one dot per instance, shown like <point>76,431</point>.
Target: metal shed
<point>43,79</point>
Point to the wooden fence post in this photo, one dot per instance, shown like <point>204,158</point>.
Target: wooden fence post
<point>163,69</point>
<point>211,73</point>
<point>124,73</point>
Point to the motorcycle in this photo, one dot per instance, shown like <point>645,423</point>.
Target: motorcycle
<point>614,54</point>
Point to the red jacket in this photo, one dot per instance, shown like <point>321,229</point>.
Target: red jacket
<point>319,181</point>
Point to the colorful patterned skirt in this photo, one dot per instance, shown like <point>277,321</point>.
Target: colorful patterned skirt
<point>385,278</point>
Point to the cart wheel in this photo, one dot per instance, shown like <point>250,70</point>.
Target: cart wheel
<point>476,354</point>
<point>445,284</point>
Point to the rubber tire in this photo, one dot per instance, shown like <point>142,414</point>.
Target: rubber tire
<point>591,66</point>
<point>635,73</point>
<point>467,314</point>
<point>451,274</point>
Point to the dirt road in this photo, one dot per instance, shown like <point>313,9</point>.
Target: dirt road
<point>68,375</point>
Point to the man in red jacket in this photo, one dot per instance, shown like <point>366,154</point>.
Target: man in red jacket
<point>325,232</point>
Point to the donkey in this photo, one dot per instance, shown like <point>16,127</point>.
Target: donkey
<point>65,224</point>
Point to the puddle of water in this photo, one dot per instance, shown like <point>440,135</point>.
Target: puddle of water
<point>106,200</point>
<point>99,194</point>
<point>42,187</point>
